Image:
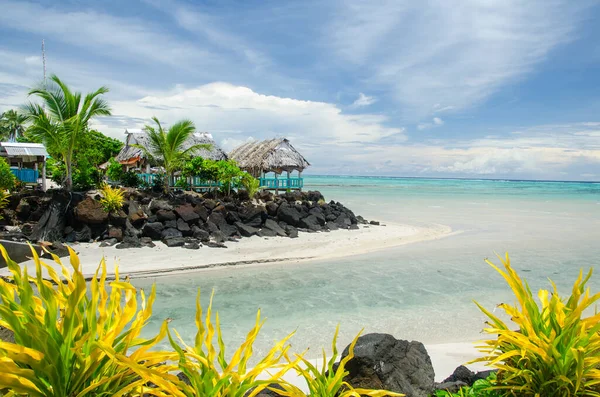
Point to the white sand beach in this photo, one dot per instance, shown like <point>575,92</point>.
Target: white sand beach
<point>162,260</point>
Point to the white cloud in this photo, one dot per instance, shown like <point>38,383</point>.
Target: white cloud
<point>435,122</point>
<point>233,113</point>
<point>363,100</point>
<point>439,55</point>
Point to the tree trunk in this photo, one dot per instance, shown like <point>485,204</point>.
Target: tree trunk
<point>69,178</point>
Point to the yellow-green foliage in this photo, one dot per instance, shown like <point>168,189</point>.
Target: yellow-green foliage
<point>556,349</point>
<point>112,198</point>
<point>70,335</point>
<point>208,370</point>
<point>327,382</point>
<point>250,184</point>
<point>4,195</point>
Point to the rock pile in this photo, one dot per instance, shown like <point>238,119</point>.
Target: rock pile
<point>185,220</point>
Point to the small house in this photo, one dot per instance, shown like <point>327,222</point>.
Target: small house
<point>268,160</point>
<point>27,161</point>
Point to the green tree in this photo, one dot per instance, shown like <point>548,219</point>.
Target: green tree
<point>7,178</point>
<point>12,125</point>
<point>166,147</point>
<point>63,120</point>
<point>228,173</point>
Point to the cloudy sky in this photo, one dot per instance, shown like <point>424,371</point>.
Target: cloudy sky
<point>436,88</point>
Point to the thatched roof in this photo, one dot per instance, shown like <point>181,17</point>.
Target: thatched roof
<point>131,154</point>
<point>273,155</point>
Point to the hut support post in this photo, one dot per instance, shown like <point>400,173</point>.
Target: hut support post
<point>288,179</point>
<point>276,184</point>
<point>44,175</point>
<point>300,181</point>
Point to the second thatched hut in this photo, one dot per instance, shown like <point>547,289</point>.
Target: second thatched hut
<point>275,157</point>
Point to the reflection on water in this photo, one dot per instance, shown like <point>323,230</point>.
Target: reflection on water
<point>422,291</point>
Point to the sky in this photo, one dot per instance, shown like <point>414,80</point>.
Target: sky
<point>431,88</point>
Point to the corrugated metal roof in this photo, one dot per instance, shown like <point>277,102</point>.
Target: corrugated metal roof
<point>24,149</point>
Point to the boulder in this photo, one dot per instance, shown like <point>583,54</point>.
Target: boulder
<point>310,222</point>
<point>169,233</point>
<point>232,217</point>
<point>274,226</point>
<point>353,227</point>
<point>187,213</point>
<point>130,230</point>
<point>264,232</point>
<point>210,204</point>
<point>23,210</point>
<point>229,230</point>
<point>171,224</point>
<point>52,222</point>
<point>137,218</point>
<point>211,227</point>
<point>156,205</point>
<point>191,246</point>
<point>318,214</point>
<point>147,242</point>
<point>83,234</point>
<point>246,230</point>
<point>383,362</point>
<point>109,243</point>
<point>291,231</point>
<point>218,219</point>
<point>117,218</point>
<point>202,212</point>
<point>332,226</point>
<point>174,241</point>
<point>165,215</point>
<point>183,227</point>
<point>252,215</point>
<point>115,233</point>
<point>200,234</point>
<point>375,223</point>
<point>90,211</point>
<point>129,242</point>
<point>465,375</point>
<point>288,215</point>
<point>343,221</point>
<point>153,230</point>
<point>271,208</point>
<point>218,236</point>
<point>214,244</point>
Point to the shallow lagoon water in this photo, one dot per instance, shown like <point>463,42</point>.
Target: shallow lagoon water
<point>422,291</point>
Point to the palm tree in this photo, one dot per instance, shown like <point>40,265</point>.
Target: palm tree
<point>63,119</point>
<point>13,124</point>
<point>166,147</point>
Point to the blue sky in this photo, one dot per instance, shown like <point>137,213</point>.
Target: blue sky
<point>485,89</point>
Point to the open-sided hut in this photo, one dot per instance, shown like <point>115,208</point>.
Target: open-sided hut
<point>134,158</point>
<point>276,156</point>
<point>26,160</point>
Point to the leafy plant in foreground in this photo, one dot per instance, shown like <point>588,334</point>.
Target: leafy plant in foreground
<point>211,374</point>
<point>555,351</point>
<point>328,381</point>
<point>74,339</point>
<point>112,198</point>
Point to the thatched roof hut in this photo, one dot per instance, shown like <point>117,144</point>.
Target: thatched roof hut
<point>273,155</point>
<point>134,156</point>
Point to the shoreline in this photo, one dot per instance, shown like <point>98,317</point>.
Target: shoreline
<point>163,261</point>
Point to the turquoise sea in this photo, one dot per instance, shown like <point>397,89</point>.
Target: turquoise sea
<point>422,291</point>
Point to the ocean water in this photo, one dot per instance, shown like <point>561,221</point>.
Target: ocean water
<point>422,291</point>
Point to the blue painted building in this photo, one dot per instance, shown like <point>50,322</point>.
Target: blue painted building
<point>27,161</point>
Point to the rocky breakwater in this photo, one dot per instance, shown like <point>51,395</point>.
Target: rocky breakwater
<point>187,220</point>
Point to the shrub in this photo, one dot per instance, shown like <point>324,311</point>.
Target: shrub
<point>158,184</point>
<point>207,369</point>
<point>556,349</point>
<point>329,381</point>
<point>114,170</point>
<point>112,198</point>
<point>250,184</point>
<point>131,179</point>
<point>4,195</point>
<point>7,178</point>
<point>182,183</point>
<point>74,338</point>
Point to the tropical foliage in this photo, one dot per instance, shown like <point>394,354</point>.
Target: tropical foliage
<point>167,147</point>
<point>74,338</point>
<point>112,198</point>
<point>209,372</point>
<point>114,171</point>
<point>556,349</point>
<point>7,178</point>
<point>61,121</point>
<point>250,184</point>
<point>4,195</point>
<point>12,125</point>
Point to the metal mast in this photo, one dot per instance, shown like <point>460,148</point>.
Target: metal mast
<point>44,61</point>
